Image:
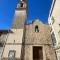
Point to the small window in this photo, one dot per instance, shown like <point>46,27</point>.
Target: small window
<point>21,4</point>
<point>11,54</point>
<point>53,39</point>
<point>36,28</point>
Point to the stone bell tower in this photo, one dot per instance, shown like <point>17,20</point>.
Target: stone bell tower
<point>20,15</point>
<point>13,46</point>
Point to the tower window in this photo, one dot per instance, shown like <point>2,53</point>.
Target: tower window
<point>21,5</point>
<point>36,28</point>
<point>11,54</point>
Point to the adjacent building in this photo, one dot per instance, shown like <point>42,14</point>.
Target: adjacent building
<point>54,22</point>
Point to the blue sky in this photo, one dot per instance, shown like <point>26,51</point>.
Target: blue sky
<point>39,9</point>
<point>36,9</point>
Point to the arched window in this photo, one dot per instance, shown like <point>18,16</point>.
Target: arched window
<point>36,28</point>
<point>21,4</point>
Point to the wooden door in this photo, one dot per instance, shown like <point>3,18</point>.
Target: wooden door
<point>37,53</point>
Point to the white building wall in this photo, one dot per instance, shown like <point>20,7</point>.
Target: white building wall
<point>55,26</point>
<point>56,14</point>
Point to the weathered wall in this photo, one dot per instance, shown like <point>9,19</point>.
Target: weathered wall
<point>41,37</point>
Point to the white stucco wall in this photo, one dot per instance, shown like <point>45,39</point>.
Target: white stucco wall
<point>55,26</point>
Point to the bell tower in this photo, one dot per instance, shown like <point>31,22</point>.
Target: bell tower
<point>13,46</point>
<point>20,14</point>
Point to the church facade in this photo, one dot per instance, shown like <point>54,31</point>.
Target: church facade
<point>38,42</point>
